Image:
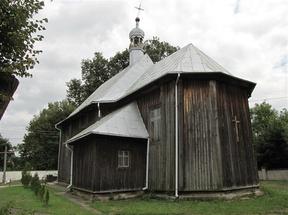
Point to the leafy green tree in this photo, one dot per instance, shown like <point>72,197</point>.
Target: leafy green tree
<point>157,50</point>
<point>40,145</point>
<point>75,91</point>
<point>98,70</point>
<point>270,133</point>
<point>94,73</point>
<point>262,115</point>
<point>18,35</point>
<point>272,147</point>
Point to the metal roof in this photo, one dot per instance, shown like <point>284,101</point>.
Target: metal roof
<point>124,122</point>
<point>188,59</point>
<point>117,86</point>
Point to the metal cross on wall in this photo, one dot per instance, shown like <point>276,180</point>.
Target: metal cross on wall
<point>237,122</point>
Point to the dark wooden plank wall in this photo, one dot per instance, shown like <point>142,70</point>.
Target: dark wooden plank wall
<point>162,153</point>
<point>200,158</point>
<point>71,128</point>
<point>96,163</point>
<point>64,163</point>
<point>239,164</point>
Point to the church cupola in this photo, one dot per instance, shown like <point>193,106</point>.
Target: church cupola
<point>136,36</point>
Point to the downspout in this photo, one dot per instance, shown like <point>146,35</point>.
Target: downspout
<point>60,142</point>
<point>99,111</point>
<point>147,165</point>
<point>176,135</point>
<point>71,166</point>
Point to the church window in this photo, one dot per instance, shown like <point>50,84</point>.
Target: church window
<point>155,124</point>
<point>123,159</point>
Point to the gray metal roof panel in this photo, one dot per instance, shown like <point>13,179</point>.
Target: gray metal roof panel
<point>188,59</point>
<point>125,122</point>
<point>117,86</point>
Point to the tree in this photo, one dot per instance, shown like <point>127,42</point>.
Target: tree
<point>94,73</point>
<point>270,134</point>
<point>75,91</point>
<point>98,70</point>
<point>40,145</point>
<point>272,147</point>
<point>18,34</point>
<point>158,50</point>
<point>262,115</point>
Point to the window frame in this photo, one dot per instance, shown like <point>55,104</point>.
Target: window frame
<point>123,159</point>
<point>152,131</point>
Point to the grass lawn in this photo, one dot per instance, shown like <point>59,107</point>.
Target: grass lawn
<point>275,201</point>
<point>26,199</point>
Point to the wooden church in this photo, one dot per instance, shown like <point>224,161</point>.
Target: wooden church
<point>180,126</point>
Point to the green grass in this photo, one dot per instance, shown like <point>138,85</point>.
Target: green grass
<point>275,201</point>
<point>25,199</point>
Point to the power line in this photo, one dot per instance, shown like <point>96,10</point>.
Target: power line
<point>272,98</point>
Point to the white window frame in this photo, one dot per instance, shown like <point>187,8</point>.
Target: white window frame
<point>123,159</point>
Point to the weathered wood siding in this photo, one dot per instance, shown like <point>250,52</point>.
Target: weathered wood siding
<point>71,128</point>
<point>162,153</point>
<point>95,163</point>
<point>239,164</point>
<point>64,164</point>
<point>199,149</point>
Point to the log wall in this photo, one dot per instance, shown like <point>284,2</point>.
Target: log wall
<point>162,153</point>
<point>199,149</point>
<point>95,164</point>
<point>239,163</point>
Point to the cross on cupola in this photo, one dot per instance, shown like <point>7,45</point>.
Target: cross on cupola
<point>139,9</point>
<point>236,123</point>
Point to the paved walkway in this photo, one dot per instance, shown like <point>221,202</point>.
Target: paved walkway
<point>61,191</point>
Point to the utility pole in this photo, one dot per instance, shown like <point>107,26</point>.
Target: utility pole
<point>5,164</point>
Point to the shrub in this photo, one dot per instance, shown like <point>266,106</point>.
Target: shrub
<point>6,209</point>
<point>41,192</point>
<point>26,178</point>
<point>46,197</point>
<point>35,184</point>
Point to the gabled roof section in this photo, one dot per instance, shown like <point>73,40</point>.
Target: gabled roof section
<point>189,59</point>
<point>124,122</point>
<point>117,86</point>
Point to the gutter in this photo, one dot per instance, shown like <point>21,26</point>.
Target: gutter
<point>176,136</point>
<point>71,166</point>
<point>147,165</point>
<point>99,110</point>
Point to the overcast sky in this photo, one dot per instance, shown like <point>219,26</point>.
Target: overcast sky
<point>247,37</point>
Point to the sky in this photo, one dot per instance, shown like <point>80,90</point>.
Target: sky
<point>247,37</point>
